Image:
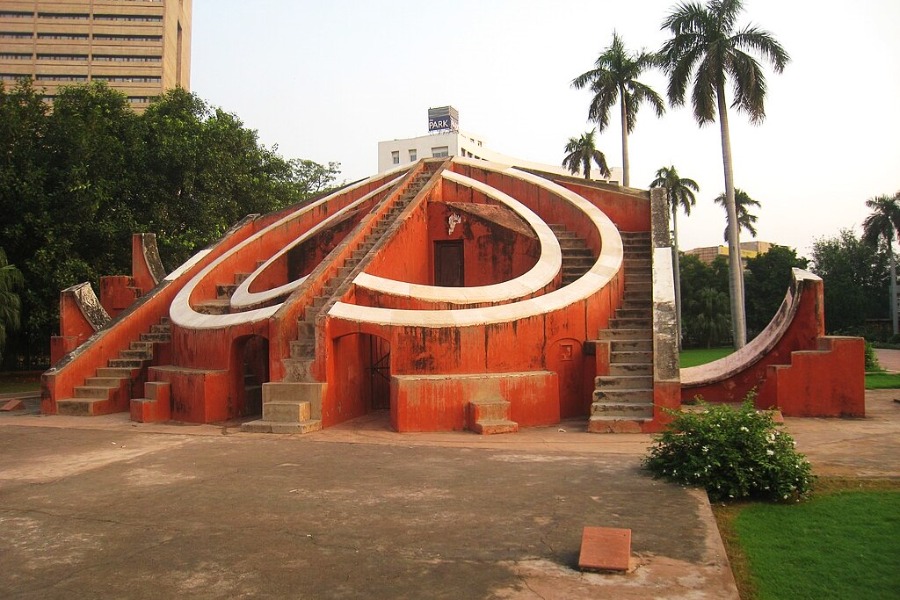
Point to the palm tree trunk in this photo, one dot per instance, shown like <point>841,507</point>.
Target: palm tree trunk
<point>735,265</point>
<point>893,286</point>
<point>624,111</point>
<point>677,268</point>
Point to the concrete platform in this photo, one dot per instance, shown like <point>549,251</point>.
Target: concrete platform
<point>106,508</point>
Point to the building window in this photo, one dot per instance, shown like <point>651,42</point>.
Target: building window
<point>143,18</point>
<point>15,56</point>
<point>440,152</point>
<point>47,15</point>
<point>17,35</point>
<point>127,38</point>
<point>127,78</point>
<point>61,78</point>
<point>412,155</point>
<point>62,57</point>
<point>123,58</point>
<point>16,14</point>
<point>395,157</point>
<point>62,36</point>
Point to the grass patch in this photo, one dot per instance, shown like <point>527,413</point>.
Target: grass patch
<point>701,356</point>
<point>17,381</point>
<point>840,544</point>
<point>882,381</point>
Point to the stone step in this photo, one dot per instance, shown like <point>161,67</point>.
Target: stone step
<point>118,372</point>
<point>645,345</point>
<point>156,337</point>
<point>105,382</point>
<point>623,396</point>
<point>627,411</point>
<point>161,327</point>
<point>142,345</point>
<point>633,313</point>
<point>127,363</point>
<point>495,426</point>
<point>240,278</point>
<point>85,407</point>
<point>298,369</point>
<point>286,411</point>
<point>623,382</point>
<point>616,323</point>
<point>94,391</point>
<point>135,354</point>
<point>631,356</point>
<point>305,348</point>
<point>217,306</point>
<point>645,287</point>
<point>631,368</point>
<point>263,426</point>
<point>225,290</point>
<point>625,333</point>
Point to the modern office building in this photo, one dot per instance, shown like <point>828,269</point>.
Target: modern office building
<point>752,249</point>
<point>139,47</point>
<point>445,139</point>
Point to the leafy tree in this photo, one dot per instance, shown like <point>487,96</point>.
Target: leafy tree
<point>696,277</point>
<point>76,182</point>
<point>742,202</point>
<point>679,195</point>
<point>580,152</point>
<point>707,49</point>
<point>710,320</point>
<point>767,279</point>
<point>614,79</point>
<point>882,225</point>
<point>856,276</point>
<point>10,303</point>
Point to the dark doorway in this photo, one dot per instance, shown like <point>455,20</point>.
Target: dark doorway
<point>253,373</point>
<point>448,263</point>
<point>380,372</point>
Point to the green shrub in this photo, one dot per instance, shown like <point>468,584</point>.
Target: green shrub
<point>733,453</point>
<point>871,360</point>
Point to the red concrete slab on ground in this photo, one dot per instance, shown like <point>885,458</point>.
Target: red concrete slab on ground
<point>605,549</point>
<point>14,404</point>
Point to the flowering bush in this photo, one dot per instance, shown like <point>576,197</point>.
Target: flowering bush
<point>733,453</point>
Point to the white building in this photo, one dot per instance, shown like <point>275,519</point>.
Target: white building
<point>452,142</point>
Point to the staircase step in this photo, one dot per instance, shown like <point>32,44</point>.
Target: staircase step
<point>631,369</point>
<point>616,323</point>
<point>495,426</point>
<point>624,382</point>
<point>127,363</point>
<point>156,337</point>
<point>645,345</point>
<point>225,290</point>
<point>626,333</point>
<point>622,396</point>
<point>263,426</point>
<point>135,354</point>
<point>161,327</point>
<point>93,391</point>
<point>286,411</point>
<point>213,307</point>
<point>119,372</point>
<point>107,382</point>
<point>633,313</point>
<point>618,410</point>
<point>631,356</point>
<point>85,407</point>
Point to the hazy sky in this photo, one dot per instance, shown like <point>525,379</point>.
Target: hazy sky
<point>326,80</point>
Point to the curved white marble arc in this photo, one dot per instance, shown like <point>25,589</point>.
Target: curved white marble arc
<point>535,279</point>
<point>603,270</point>
<point>243,298</point>
<point>183,314</point>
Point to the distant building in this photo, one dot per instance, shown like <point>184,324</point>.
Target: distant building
<point>748,250</point>
<point>140,47</point>
<point>447,140</point>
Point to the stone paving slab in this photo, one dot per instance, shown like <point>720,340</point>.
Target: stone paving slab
<point>106,508</point>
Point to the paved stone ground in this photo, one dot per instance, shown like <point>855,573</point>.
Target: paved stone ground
<point>105,508</point>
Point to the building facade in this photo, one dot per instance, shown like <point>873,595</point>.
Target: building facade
<point>450,141</point>
<point>139,47</point>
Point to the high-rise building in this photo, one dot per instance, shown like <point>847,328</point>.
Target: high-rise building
<point>139,47</point>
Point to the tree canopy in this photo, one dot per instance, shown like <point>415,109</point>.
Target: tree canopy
<point>77,180</point>
<point>580,152</point>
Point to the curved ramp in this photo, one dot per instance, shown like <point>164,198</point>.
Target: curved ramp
<point>826,372</point>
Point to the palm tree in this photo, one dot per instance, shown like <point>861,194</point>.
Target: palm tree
<point>710,310</point>
<point>580,152</point>
<point>679,194</point>
<point>614,79</point>
<point>742,203</point>
<point>10,303</point>
<point>707,49</point>
<point>883,224</point>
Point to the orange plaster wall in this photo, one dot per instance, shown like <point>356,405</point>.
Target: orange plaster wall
<point>349,393</point>
<point>827,382</point>
<point>628,212</point>
<point>197,396</point>
<point>117,293</point>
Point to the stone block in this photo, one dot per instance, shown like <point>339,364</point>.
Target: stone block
<point>14,404</point>
<point>605,549</point>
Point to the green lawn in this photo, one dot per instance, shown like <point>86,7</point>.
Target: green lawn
<point>840,544</point>
<point>699,356</point>
<point>882,381</point>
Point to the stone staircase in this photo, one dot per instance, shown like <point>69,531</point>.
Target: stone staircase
<point>577,258</point>
<point>112,387</point>
<point>295,407</point>
<point>626,394</point>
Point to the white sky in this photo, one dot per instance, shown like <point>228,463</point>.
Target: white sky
<point>327,80</point>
